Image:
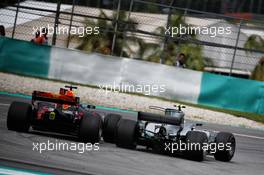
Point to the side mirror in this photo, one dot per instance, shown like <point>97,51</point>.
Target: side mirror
<point>183,106</point>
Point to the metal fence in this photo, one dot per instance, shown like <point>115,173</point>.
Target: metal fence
<point>141,32</point>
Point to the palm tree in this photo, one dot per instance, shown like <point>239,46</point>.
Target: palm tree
<point>194,56</point>
<point>256,42</point>
<point>147,51</point>
<point>103,42</point>
<point>258,72</point>
<point>94,42</point>
<point>175,46</point>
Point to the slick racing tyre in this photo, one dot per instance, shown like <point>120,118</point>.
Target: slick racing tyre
<point>229,142</point>
<point>110,126</point>
<point>18,117</point>
<point>90,128</point>
<point>126,134</point>
<point>198,139</point>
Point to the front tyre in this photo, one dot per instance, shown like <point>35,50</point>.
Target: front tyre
<point>90,128</point>
<point>228,149</point>
<point>18,117</point>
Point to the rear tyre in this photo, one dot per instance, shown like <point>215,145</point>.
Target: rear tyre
<point>228,152</point>
<point>196,139</point>
<point>90,128</point>
<point>18,117</point>
<point>126,134</point>
<point>110,126</point>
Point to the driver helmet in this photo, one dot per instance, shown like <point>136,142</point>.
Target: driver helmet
<point>69,93</point>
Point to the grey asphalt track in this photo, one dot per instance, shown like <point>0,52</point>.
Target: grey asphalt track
<point>16,151</point>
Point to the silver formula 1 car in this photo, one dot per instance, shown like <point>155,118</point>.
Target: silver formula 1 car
<point>169,134</point>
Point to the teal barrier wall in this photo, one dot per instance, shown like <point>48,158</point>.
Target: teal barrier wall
<point>23,57</point>
<point>232,93</point>
<point>218,91</point>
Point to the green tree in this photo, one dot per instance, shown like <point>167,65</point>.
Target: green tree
<point>146,50</point>
<point>257,43</point>
<point>194,56</point>
<point>258,72</point>
<point>102,42</point>
<point>125,40</point>
<point>175,46</point>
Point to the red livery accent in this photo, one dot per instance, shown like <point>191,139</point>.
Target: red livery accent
<point>56,98</point>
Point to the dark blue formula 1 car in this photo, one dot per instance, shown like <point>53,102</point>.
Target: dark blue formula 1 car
<point>60,113</point>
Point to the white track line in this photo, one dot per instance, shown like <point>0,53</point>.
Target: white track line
<point>4,104</point>
<point>249,136</point>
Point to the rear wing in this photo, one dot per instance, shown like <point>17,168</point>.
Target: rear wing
<point>156,118</point>
<point>54,98</point>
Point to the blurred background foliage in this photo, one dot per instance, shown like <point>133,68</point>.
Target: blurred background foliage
<point>256,42</point>
<point>129,45</point>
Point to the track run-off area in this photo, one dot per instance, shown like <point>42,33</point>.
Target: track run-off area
<point>17,154</point>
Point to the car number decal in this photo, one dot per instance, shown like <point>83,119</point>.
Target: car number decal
<point>52,115</point>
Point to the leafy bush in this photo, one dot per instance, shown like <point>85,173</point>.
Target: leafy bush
<point>258,73</point>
